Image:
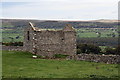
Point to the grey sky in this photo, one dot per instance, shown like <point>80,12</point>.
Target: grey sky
<point>61,9</point>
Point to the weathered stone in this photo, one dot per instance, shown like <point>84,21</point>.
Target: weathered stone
<point>109,59</point>
<point>50,42</point>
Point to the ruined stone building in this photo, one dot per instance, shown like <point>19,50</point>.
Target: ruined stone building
<point>46,42</point>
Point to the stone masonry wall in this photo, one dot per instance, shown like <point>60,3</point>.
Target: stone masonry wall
<point>109,59</point>
<point>28,44</point>
<point>50,42</point>
<point>14,48</point>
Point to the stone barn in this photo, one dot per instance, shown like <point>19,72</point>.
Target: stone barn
<point>46,42</point>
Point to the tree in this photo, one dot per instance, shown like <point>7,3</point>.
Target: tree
<point>113,34</point>
<point>118,50</point>
<point>12,39</point>
<point>110,50</point>
<point>88,48</point>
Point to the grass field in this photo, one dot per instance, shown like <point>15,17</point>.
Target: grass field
<point>8,34</point>
<point>91,32</point>
<point>21,65</point>
<point>81,33</point>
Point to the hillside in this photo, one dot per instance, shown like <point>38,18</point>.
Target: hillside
<point>20,23</point>
<point>106,21</point>
<point>100,32</point>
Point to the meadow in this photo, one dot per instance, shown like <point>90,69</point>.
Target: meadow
<point>96,32</point>
<point>17,64</point>
<point>11,35</point>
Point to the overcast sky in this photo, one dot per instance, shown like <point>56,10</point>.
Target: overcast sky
<point>60,9</point>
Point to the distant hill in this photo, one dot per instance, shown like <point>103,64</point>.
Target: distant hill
<point>22,23</point>
<point>106,21</point>
<point>13,30</point>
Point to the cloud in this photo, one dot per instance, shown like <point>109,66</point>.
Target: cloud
<point>90,1</point>
<point>64,9</point>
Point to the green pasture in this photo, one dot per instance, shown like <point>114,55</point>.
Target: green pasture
<point>90,32</point>
<point>10,35</point>
<point>81,33</point>
<point>17,64</point>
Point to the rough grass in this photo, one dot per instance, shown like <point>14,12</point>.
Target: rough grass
<point>60,56</point>
<point>18,64</point>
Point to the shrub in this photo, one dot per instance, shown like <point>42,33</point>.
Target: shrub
<point>118,50</point>
<point>110,50</point>
<point>79,51</point>
<point>88,48</point>
<point>59,56</point>
<point>38,56</point>
<point>114,51</point>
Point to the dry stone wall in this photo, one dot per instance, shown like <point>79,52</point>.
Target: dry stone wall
<point>13,48</point>
<point>109,59</point>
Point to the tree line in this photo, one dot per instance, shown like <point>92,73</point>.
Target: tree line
<point>94,49</point>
